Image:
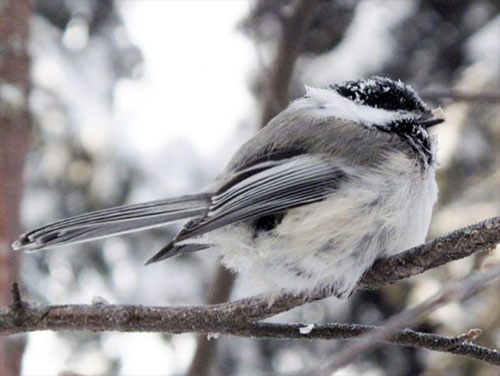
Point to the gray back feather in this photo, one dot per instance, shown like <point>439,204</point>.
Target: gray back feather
<point>300,130</point>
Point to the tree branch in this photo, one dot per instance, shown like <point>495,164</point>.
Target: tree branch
<point>457,345</point>
<point>290,44</point>
<point>238,317</point>
<point>462,96</point>
<point>454,291</point>
<point>480,237</point>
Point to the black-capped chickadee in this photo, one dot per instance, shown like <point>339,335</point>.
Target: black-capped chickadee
<point>343,176</point>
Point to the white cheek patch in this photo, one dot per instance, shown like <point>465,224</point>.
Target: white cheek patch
<point>336,105</point>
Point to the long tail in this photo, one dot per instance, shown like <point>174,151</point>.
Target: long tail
<point>113,221</point>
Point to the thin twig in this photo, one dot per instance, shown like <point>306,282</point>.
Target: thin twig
<point>457,345</point>
<point>17,305</point>
<point>17,302</point>
<point>461,96</point>
<point>290,44</point>
<point>453,292</point>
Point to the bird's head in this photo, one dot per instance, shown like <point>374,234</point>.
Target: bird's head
<point>378,102</point>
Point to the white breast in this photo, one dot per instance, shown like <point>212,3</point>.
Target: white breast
<point>335,241</point>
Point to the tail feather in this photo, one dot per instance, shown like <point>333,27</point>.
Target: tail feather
<point>172,249</point>
<point>113,221</point>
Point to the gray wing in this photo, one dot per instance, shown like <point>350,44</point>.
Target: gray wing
<point>267,188</point>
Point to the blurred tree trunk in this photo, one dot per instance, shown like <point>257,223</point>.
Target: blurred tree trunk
<point>275,100</point>
<point>14,128</point>
<point>206,350</point>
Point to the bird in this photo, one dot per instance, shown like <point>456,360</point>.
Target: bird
<point>342,177</point>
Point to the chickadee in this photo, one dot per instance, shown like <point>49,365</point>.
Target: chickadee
<point>345,175</point>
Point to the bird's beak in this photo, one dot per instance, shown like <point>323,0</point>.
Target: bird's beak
<point>431,118</point>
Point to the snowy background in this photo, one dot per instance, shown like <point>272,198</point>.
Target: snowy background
<point>139,100</point>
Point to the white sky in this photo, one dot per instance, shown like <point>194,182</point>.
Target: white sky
<point>195,68</point>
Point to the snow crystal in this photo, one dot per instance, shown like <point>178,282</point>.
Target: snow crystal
<point>438,113</point>
<point>306,329</point>
<point>99,300</point>
<point>212,336</point>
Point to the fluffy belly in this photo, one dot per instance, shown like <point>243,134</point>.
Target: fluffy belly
<point>333,242</point>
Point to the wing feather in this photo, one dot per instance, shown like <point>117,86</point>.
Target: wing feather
<point>267,188</point>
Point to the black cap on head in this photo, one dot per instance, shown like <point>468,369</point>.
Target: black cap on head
<point>381,92</point>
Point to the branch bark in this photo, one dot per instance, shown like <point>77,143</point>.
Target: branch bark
<point>480,237</point>
<point>454,291</point>
<point>458,345</point>
<point>454,345</point>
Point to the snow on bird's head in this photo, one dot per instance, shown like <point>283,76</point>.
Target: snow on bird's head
<point>381,92</point>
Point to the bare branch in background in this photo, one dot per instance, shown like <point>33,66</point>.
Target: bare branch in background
<point>455,291</point>
<point>292,38</point>
<point>461,96</point>
<point>458,345</point>
<point>222,318</point>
